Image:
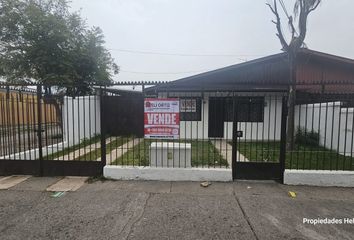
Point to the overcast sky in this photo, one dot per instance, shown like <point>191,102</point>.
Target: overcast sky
<point>215,28</point>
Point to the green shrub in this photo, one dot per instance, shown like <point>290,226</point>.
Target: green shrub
<point>303,137</point>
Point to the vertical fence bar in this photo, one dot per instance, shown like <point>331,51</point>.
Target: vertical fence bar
<point>338,136</point>
<point>46,121</point>
<point>39,112</point>
<point>269,124</point>
<point>8,124</point>
<point>305,147</point>
<point>23,124</point>
<point>325,135</point>
<point>275,128</point>
<point>103,129</point>
<point>13,123</point>
<point>28,106</point>
<point>67,124</point>
<point>234,136</point>
<point>319,134</point>
<point>34,125</point>
<point>78,126</point>
<point>90,131</point>
<point>312,131</point>
<point>352,143</point>
<point>18,124</point>
<point>332,131</point>
<point>345,138</point>
<point>283,137</point>
<point>3,127</point>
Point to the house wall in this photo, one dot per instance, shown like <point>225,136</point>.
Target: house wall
<point>81,118</point>
<point>334,124</point>
<point>269,129</point>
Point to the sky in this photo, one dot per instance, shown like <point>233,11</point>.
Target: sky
<point>163,40</point>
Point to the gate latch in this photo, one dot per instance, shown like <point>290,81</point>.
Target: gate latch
<point>239,134</point>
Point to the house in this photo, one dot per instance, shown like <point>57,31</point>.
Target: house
<point>252,94</point>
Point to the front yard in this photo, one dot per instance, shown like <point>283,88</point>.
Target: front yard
<point>302,157</point>
<point>204,154</point>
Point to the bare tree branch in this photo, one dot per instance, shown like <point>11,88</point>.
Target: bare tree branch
<point>314,7</point>
<point>280,35</point>
<point>302,9</point>
<point>291,24</point>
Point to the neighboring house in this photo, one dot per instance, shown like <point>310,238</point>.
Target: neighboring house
<point>258,87</point>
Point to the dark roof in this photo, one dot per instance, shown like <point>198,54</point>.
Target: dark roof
<point>122,92</point>
<point>267,73</point>
<point>315,55</point>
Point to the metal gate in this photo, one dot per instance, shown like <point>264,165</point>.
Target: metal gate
<point>46,134</point>
<point>259,132</point>
<point>123,115</point>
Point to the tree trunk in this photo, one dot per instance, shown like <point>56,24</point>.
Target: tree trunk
<point>291,103</point>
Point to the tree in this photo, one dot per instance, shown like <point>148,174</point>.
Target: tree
<point>42,42</point>
<point>302,9</point>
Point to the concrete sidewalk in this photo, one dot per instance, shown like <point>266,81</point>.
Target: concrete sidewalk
<point>173,210</point>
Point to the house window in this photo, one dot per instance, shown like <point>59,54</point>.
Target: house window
<point>190,109</point>
<point>249,109</point>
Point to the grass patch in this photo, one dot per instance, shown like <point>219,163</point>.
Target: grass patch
<point>203,154</point>
<point>302,157</point>
<point>65,151</point>
<point>96,153</point>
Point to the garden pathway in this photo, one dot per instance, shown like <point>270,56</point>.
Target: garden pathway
<point>225,150</point>
<point>121,150</point>
<point>82,151</point>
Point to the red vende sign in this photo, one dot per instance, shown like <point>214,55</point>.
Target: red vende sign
<point>161,118</point>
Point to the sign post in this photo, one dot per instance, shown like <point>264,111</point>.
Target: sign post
<point>161,118</point>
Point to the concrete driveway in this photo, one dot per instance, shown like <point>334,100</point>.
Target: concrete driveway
<point>179,210</point>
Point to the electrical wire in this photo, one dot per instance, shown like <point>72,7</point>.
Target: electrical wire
<point>284,8</point>
<point>184,54</point>
<point>166,73</point>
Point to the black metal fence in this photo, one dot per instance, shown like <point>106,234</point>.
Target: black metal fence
<point>206,132</point>
<point>64,127</point>
<point>51,130</point>
<point>324,136</point>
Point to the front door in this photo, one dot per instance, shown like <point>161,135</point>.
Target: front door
<point>216,118</point>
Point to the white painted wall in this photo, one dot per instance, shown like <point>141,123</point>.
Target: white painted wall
<point>81,118</point>
<point>333,123</point>
<point>322,178</point>
<point>167,174</point>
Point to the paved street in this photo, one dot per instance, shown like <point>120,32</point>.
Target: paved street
<point>165,210</point>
